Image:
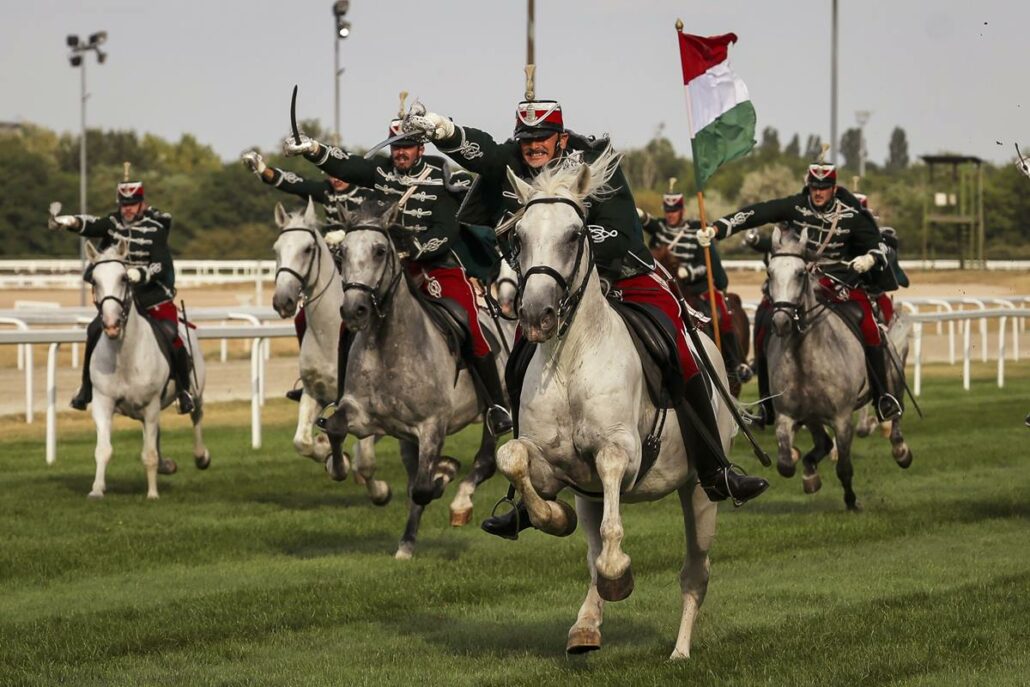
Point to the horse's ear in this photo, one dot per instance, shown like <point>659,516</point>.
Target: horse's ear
<point>310,218</point>
<point>804,237</point>
<point>582,186</point>
<point>280,215</point>
<point>122,249</point>
<point>390,215</point>
<point>521,188</point>
<point>777,235</point>
<point>91,252</point>
<point>346,218</point>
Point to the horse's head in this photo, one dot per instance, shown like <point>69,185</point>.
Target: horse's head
<point>297,257</point>
<point>550,241</point>
<point>507,289</point>
<point>788,280</point>
<point>111,291</point>
<point>369,262</point>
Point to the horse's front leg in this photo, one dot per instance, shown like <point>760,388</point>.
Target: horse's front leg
<point>103,412</point>
<point>406,548</point>
<point>614,574</point>
<point>699,526</point>
<point>899,448</point>
<point>845,430</point>
<point>483,468</point>
<point>150,454</point>
<point>303,441</point>
<point>547,514</point>
<point>787,455</point>
<point>585,635</point>
<point>201,456</point>
<point>365,469</point>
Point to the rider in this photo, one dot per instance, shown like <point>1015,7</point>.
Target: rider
<point>846,245</point>
<point>617,244</point>
<point>150,271</point>
<point>430,215</point>
<point>335,195</point>
<point>680,235</point>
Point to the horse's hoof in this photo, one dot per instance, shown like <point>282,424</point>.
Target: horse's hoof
<point>95,495</point>
<point>785,468</point>
<point>862,430</point>
<point>152,497</point>
<point>381,497</point>
<point>341,474</point>
<point>166,466</point>
<point>203,462</point>
<point>905,460</point>
<point>795,454</point>
<point>404,552</point>
<point>446,469</point>
<point>571,522</point>
<point>854,507</point>
<point>617,589</point>
<point>583,640</point>
<point>811,483</point>
<point>678,655</point>
<point>460,518</point>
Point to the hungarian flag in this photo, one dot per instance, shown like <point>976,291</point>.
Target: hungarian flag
<point>722,120</point>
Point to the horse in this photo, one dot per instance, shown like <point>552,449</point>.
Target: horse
<point>402,378</point>
<point>305,269</point>
<point>741,325</point>
<point>817,370</point>
<point>130,372</point>
<point>585,410</point>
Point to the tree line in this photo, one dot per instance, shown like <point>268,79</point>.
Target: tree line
<point>221,210</point>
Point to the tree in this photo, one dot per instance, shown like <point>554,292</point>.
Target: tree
<point>774,181</point>
<point>651,165</point>
<point>851,147</point>
<point>770,145</point>
<point>793,148</point>
<point>898,158</point>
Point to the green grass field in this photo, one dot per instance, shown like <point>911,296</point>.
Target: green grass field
<point>261,571</point>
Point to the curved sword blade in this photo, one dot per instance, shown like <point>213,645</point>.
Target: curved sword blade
<point>293,116</point>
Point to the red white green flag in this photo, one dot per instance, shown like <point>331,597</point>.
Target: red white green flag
<point>719,110</point>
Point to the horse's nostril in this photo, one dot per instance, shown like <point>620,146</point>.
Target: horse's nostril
<point>361,311</point>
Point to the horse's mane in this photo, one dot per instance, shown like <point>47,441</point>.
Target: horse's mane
<point>559,177</point>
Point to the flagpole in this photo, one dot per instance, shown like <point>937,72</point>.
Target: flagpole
<point>712,303</point>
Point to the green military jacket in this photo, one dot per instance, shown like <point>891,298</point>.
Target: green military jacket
<point>855,233</point>
<point>321,191</point>
<point>147,238</point>
<point>615,232</point>
<point>430,212</point>
<point>689,253</point>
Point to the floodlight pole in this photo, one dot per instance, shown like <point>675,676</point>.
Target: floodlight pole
<point>82,176</point>
<point>530,32</point>
<point>336,86</point>
<point>833,87</point>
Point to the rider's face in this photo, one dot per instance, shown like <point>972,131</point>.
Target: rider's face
<point>130,212</point>
<point>821,196</point>
<point>405,157</point>
<point>338,184</point>
<point>538,152</point>
<point>674,218</point>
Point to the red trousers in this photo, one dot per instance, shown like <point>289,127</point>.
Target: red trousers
<point>167,311</point>
<point>762,316</point>
<point>725,322</point>
<point>300,324</point>
<point>650,289</point>
<point>886,308</point>
<point>835,292</point>
<point>451,282</point>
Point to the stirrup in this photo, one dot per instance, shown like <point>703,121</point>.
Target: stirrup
<point>323,417</point>
<point>185,402</point>
<point>888,408</point>
<point>498,420</point>
<point>514,505</point>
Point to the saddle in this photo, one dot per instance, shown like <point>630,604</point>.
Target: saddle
<point>449,318</point>
<point>655,341</point>
<point>165,335</point>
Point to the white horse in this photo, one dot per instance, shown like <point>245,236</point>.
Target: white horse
<point>129,371</point>
<point>305,270</point>
<point>584,408</point>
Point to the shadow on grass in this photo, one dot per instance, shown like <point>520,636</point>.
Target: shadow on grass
<point>81,484</point>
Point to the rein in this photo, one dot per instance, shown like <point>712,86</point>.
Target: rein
<point>315,257</point>
<point>570,301</point>
<point>378,302</point>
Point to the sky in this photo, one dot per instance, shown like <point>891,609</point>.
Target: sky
<point>952,73</point>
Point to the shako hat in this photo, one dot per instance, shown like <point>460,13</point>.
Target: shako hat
<point>672,201</point>
<point>537,118</point>
<point>821,174</point>
<point>129,192</point>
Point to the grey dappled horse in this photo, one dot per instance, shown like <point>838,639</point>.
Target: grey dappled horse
<point>130,373</point>
<point>306,272</point>
<point>817,369</point>
<point>401,377</point>
<point>585,410</point>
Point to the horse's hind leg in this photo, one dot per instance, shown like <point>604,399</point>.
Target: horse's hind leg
<point>585,635</point>
<point>150,457</point>
<point>483,468</point>
<point>810,480</point>
<point>103,410</point>
<point>365,469</point>
<point>899,448</point>
<point>409,456</point>
<point>201,456</point>
<point>699,526</point>
<point>844,429</point>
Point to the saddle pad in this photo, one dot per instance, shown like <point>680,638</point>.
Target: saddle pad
<point>655,342</point>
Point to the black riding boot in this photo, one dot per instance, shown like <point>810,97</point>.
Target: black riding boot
<point>85,393</point>
<point>497,416</point>
<point>731,357</point>
<point>183,368</point>
<point>766,409</point>
<point>511,523</point>
<point>887,407</point>
<point>718,478</point>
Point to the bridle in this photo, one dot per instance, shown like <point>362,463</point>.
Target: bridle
<point>379,300</point>
<point>316,258</point>
<point>570,299</point>
<point>797,312</point>
<point>120,301</point>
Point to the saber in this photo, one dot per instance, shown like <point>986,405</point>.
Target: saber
<point>388,142</point>
<point>293,116</point>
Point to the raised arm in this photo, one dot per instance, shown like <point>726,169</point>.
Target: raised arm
<point>768,212</point>
<point>333,160</point>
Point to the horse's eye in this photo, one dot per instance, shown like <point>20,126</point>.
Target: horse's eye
<point>379,251</point>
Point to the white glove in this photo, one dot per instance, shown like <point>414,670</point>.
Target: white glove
<point>134,275</point>
<point>335,237</point>
<point>643,216</point>
<point>55,220</point>
<point>306,146</point>
<point>863,263</point>
<point>684,272</point>
<point>253,161</point>
<point>751,237</point>
<point>705,236</point>
<point>1023,166</point>
<point>431,125</point>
